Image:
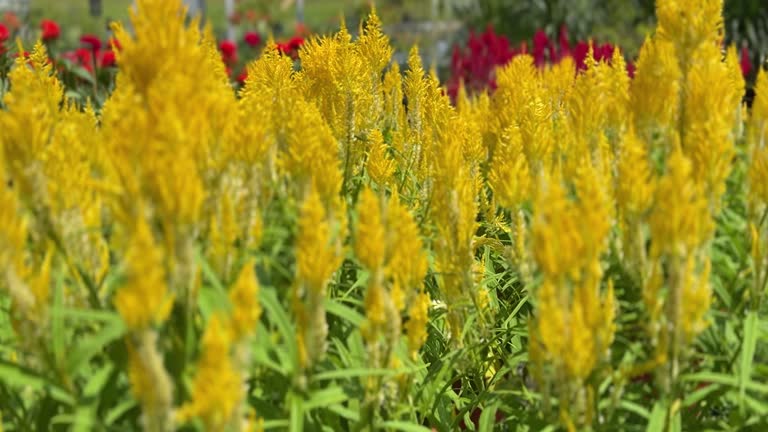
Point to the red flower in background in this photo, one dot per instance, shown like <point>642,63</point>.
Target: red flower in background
<point>253,39</point>
<point>475,66</point>
<point>228,51</point>
<point>92,41</point>
<point>3,33</point>
<point>746,62</point>
<point>108,59</point>
<point>242,77</point>
<point>291,48</point>
<point>51,30</point>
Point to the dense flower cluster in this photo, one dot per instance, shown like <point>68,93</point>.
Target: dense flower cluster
<point>338,227</point>
<point>475,65</point>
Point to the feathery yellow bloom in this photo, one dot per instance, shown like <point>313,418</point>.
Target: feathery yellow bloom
<point>144,300</point>
<point>655,90</point>
<point>689,23</point>
<point>418,320</point>
<point>217,386</point>
<point>407,260</point>
<point>680,220</point>
<point>370,237</point>
<point>316,255</point>
<point>510,176</point>
<point>380,167</point>
<point>244,299</point>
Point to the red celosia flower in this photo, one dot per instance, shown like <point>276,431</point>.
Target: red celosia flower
<point>91,40</point>
<point>252,39</point>
<point>3,33</point>
<point>51,30</point>
<point>295,43</point>
<point>108,59</point>
<point>228,51</point>
<point>85,58</point>
<point>746,62</point>
<point>242,77</point>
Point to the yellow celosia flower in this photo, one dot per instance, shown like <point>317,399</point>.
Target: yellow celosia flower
<point>407,261</point>
<point>144,300</point>
<point>655,90</point>
<point>696,298</point>
<point>316,255</point>
<point>680,220</point>
<point>380,167</point>
<point>244,298</point>
<point>217,386</point>
<point>370,237</point>
<point>580,356</point>
<point>317,258</point>
<point>32,111</point>
<point>689,23</point>
<point>510,176</point>
<point>634,189</point>
<point>418,319</point>
<point>711,100</point>
<point>558,245</point>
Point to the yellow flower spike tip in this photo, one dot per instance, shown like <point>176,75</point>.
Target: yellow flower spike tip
<point>244,299</point>
<point>655,90</point>
<point>711,101</point>
<point>689,23</point>
<point>32,111</point>
<point>144,300</point>
<point>217,386</point>
<point>380,167</point>
<point>370,234</point>
<point>509,176</point>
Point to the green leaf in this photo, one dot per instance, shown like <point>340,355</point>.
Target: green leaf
<point>747,355</point>
<point>657,418</point>
<point>352,316</point>
<point>325,397</point>
<point>635,408</point>
<point>276,424</point>
<point>404,426</point>
<point>20,376</point>
<point>118,410</point>
<point>275,312</point>
<point>57,321</point>
<point>94,344</point>
<point>362,372</point>
<point>488,419</point>
<point>296,414</point>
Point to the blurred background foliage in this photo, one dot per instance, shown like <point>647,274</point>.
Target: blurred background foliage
<point>620,22</point>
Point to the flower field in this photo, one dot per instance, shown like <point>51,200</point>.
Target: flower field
<point>340,243</point>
